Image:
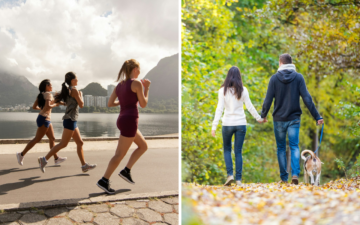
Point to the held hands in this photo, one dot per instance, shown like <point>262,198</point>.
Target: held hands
<point>319,122</point>
<point>262,120</point>
<point>213,133</point>
<point>146,83</point>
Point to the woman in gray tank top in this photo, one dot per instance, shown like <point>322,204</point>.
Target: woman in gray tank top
<point>73,100</point>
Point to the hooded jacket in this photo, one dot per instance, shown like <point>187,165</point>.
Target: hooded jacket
<point>286,86</point>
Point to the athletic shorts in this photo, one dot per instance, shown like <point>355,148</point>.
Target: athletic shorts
<point>69,124</point>
<point>41,120</point>
<point>127,125</point>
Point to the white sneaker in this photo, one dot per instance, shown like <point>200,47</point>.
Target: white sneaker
<point>238,183</point>
<point>88,167</point>
<point>42,163</point>
<point>60,160</point>
<point>20,158</point>
<point>229,181</point>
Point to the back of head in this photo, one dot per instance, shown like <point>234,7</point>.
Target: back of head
<point>64,94</point>
<point>233,80</point>
<point>285,58</point>
<point>126,69</point>
<point>42,89</point>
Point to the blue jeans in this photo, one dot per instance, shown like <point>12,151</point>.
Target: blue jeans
<point>227,133</point>
<point>292,128</point>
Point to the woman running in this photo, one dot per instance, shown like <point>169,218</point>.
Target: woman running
<point>73,100</point>
<point>44,102</point>
<point>130,92</point>
<point>232,96</point>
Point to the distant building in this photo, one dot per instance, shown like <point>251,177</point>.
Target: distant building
<point>89,100</point>
<point>110,89</point>
<point>100,101</point>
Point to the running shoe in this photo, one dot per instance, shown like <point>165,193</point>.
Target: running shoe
<point>88,167</point>
<point>42,163</point>
<point>295,180</point>
<point>20,158</point>
<point>229,181</point>
<point>126,176</point>
<point>105,186</point>
<point>60,160</point>
<point>238,183</point>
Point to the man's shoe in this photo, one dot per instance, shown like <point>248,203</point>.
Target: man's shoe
<point>282,182</point>
<point>295,180</point>
<point>60,160</point>
<point>105,186</point>
<point>20,158</point>
<point>126,176</point>
<point>229,181</point>
<point>88,167</point>
<point>42,163</point>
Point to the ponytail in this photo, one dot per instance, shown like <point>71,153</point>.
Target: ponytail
<point>42,89</point>
<point>126,69</point>
<point>64,94</point>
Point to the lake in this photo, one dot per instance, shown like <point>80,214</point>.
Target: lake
<point>15,125</point>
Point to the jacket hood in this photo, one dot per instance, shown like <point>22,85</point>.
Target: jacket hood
<point>286,76</point>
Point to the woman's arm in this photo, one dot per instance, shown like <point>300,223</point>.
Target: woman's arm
<point>78,97</point>
<point>250,107</point>
<point>142,94</point>
<point>35,105</point>
<point>112,102</point>
<point>219,111</point>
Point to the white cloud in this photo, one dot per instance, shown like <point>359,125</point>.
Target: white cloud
<point>45,39</point>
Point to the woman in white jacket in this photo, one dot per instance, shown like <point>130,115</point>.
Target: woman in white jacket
<point>232,96</point>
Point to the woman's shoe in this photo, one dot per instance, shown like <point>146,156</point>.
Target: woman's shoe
<point>229,181</point>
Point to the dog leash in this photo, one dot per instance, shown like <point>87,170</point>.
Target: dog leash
<point>322,129</point>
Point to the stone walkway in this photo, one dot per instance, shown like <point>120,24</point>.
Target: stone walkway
<point>154,211</point>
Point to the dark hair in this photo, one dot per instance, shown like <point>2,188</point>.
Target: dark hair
<point>285,58</point>
<point>42,88</point>
<point>233,80</point>
<point>126,69</point>
<point>64,94</point>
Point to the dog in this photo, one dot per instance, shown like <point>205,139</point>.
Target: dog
<point>312,166</point>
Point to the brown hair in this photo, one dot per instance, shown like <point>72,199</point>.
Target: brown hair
<point>64,94</point>
<point>126,69</point>
<point>285,58</point>
<point>233,80</point>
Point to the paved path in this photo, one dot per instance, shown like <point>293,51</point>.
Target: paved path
<point>156,171</point>
<point>139,212</point>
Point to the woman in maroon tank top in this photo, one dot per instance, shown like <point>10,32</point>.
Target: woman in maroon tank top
<point>130,91</point>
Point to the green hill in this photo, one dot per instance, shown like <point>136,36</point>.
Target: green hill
<point>94,89</point>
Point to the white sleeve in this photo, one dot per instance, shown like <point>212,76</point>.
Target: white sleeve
<point>250,107</point>
<point>219,109</point>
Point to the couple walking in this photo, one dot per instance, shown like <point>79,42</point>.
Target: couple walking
<point>286,86</point>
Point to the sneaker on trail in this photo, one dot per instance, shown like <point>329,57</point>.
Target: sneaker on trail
<point>20,158</point>
<point>60,160</point>
<point>126,176</point>
<point>282,182</point>
<point>105,186</point>
<point>295,180</point>
<point>42,163</point>
<point>238,183</point>
<point>229,181</point>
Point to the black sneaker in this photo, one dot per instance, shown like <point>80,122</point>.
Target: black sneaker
<point>105,186</point>
<point>126,176</point>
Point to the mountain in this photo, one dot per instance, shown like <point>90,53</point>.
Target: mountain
<point>15,89</point>
<point>94,89</point>
<point>164,79</point>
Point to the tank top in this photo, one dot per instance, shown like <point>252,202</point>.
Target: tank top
<point>46,111</point>
<point>72,109</point>
<point>128,99</point>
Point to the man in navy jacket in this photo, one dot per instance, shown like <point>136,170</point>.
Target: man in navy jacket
<point>286,86</point>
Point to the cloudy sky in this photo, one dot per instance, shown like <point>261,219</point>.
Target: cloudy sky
<point>43,39</point>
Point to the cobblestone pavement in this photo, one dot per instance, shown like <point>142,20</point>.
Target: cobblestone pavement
<point>154,211</point>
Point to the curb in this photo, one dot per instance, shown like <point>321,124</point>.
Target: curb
<point>25,141</point>
<point>86,201</point>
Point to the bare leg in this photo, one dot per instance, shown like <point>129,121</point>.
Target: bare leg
<point>124,144</point>
<point>142,147</point>
<point>41,131</point>
<point>50,134</point>
<point>79,145</point>
<point>66,136</point>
